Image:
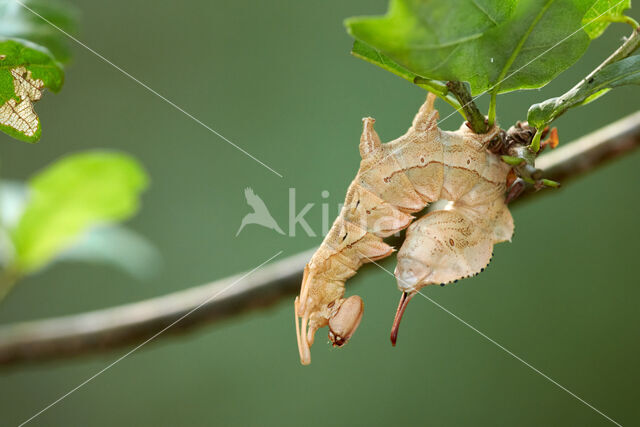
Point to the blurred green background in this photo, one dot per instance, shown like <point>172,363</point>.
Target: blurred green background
<point>277,79</point>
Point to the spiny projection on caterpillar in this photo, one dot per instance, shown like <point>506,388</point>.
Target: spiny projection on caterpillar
<point>462,171</point>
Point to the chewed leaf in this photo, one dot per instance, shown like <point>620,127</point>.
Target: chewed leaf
<point>71,196</point>
<point>25,70</point>
<point>600,15</point>
<point>20,115</point>
<point>493,45</point>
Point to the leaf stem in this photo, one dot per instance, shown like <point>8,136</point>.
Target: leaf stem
<point>535,143</point>
<point>626,49</point>
<point>492,109</point>
<point>441,90</point>
<point>629,20</point>
<point>471,112</point>
<point>622,18</point>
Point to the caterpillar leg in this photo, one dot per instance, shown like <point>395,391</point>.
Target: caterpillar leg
<point>303,346</point>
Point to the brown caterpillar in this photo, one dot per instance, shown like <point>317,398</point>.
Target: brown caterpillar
<point>395,179</point>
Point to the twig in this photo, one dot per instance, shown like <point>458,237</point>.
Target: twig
<point>131,323</point>
<point>109,328</point>
<point>585,154</point>
<point>543,113</point>
<point>627,48</point>
<point>471,112</point>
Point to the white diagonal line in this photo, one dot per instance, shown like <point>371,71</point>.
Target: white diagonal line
<point>509,352</point>
<point>147,341</point>
<point>462,320</point>
<point>534,59</point>
<point>506,350</point>
<point>457,110</point>
<point>168,101</point>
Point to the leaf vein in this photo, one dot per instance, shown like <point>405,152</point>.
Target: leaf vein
<point>520,45</point>
<point>475,3</point>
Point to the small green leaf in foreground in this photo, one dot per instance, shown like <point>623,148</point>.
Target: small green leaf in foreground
<point>69,197</point>
<point>623,72</point>
<point>25,70</point>
<point>497,45</point>
<point>117,246</point>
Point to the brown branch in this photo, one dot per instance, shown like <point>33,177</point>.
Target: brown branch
<point>132,323</point>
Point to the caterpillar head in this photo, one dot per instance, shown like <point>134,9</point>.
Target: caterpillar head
<point>411,275</point>
<point>346,320</point>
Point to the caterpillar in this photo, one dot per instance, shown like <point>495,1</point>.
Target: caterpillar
<point>465,185</point>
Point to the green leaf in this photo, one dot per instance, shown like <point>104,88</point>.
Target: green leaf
<point>623,72</point>
<point>16,21</point>
<point>69,197</point>
<point>601,14</point>
<point>25,70</point>
<point>116,246</point>
<point>369,54</point>
<point>113,245</point>
<point>13,196</point>
<point>30,51</point>
<point>498,45</point>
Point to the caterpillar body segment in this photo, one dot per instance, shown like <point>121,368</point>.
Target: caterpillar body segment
<point>449,244</point>
<point>395,180</point>
<point>456,240</point>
